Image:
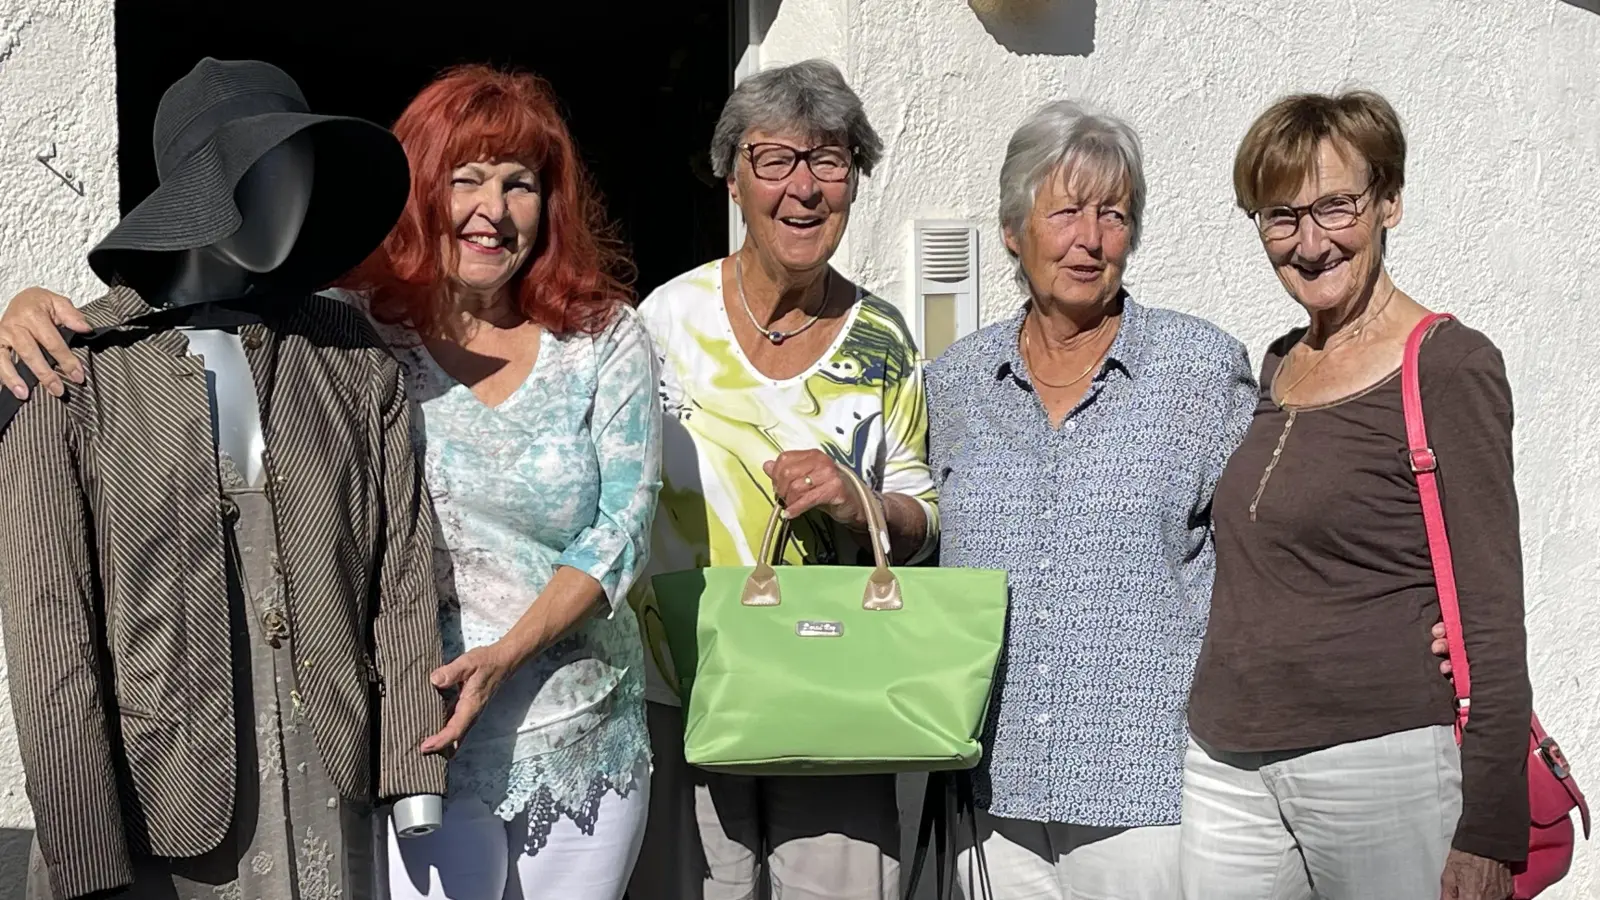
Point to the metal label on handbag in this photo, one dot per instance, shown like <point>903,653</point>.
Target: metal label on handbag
<point>806,628</point>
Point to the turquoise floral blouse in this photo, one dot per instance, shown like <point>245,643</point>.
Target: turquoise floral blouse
<point>564,472</point>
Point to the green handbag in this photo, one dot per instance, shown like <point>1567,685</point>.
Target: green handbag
<point>833,669</point>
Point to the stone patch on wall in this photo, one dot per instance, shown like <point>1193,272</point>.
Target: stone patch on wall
<point>1049,27</point>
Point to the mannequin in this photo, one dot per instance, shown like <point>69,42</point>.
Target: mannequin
<point>272,197</point>
<point>216,562</point>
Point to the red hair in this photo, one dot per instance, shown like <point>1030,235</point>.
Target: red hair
<point>577,272</point>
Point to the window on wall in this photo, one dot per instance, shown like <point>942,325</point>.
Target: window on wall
<point>641,84</point>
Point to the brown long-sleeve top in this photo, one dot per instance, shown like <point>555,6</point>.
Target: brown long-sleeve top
<point>1324,596</point>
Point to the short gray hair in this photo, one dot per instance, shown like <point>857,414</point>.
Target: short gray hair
<point>1101,149</point>
<point>811,97</point>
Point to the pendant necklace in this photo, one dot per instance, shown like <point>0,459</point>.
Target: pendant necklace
<point>776,336</point>
<point>1281,399</point>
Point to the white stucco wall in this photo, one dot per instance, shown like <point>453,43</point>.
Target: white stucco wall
<point>57,87</point>
<point>1501,99</point>
<point>1502,103</point>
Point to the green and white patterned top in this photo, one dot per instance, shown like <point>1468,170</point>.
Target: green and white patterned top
<point>862,404</point>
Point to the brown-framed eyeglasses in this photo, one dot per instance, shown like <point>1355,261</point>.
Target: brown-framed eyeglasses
<point>1331,212</point>
<point>775,162</point>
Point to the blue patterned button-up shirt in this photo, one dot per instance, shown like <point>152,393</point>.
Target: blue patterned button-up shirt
<point>1104,525</point>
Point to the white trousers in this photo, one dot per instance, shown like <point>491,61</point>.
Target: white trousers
<point>1357,821</point>
<point>1055,861</point>
<point>476,855</point>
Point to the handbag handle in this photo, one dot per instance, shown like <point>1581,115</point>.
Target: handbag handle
<point>1425,466</point>
<point>883,589</point>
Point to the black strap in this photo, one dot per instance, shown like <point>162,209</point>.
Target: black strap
<point>9,403</point>
<point>933,800</point>
<point>947,800</point>
<point>968,805</point>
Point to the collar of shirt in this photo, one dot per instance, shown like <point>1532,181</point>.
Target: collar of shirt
<point>1127,352</point>
<point>124,311</point>
<point>123,308</point>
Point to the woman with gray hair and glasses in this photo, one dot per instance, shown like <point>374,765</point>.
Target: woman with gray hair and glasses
<point>776,371</point>
<point>1076,444</point>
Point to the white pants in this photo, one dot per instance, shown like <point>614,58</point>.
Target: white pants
<point>476,855</point>
<point>1055,861</point>
<point>1356,821</point>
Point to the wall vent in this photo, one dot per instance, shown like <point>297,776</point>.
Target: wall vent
<point>945,281</point>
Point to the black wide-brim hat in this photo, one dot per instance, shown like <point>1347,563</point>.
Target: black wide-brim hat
<point>211,127</point>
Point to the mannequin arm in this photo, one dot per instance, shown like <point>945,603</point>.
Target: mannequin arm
<point>53,633</point>
<point>406,630</point>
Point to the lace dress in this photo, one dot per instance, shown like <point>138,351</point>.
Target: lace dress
<point>564,472</point>
<point>293,836</point>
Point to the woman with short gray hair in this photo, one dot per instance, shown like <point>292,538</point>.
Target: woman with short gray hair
<point>777,372</point>
<point>1076,445</point>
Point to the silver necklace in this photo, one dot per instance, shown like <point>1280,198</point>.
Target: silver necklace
<point>776,336</point>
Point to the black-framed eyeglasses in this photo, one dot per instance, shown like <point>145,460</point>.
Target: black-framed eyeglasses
<point>775,162</point>
<point>1331,212</point>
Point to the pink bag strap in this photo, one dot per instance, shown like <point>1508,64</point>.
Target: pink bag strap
<point>1426,468</point>
<point>1425,465</point>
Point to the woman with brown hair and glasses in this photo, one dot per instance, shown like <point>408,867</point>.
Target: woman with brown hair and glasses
<point>776,370</point>
<point>1324,762</point>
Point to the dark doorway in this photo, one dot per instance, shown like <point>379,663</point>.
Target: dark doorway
<point>641,83</point>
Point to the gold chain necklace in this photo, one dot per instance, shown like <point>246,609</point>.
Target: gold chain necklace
<point>1282,400</point>
<point>1348,337</point>
<point>1033,370</point>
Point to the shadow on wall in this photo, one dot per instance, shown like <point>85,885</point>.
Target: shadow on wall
<point>1049,27</point>
<point>14,845</point>
<point>1591,5</point>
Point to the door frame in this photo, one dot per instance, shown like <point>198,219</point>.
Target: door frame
<point>750,20</point>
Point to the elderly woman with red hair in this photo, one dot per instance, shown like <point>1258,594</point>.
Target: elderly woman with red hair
<point>506,304</point>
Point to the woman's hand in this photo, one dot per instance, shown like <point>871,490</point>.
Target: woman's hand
<point>1441,647</point>
<point>477,674</point>
<point>29,329</point>
<point>1469,877</point>
<point>570,598</point>
<point>809,479</point>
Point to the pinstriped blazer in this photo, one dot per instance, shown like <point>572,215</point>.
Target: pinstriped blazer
<point>113,582</point>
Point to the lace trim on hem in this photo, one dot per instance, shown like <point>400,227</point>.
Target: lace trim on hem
<point>567,783</point>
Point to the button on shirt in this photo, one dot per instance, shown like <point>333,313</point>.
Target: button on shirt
<point>1104,527</point>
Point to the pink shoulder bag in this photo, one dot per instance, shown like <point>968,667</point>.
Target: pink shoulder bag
<point>1552,792</point>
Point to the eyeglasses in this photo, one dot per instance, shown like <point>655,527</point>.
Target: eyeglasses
<point>775,162</point>
<point>1332,212</point>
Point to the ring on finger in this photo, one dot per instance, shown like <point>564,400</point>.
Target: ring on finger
<point>809,482</point>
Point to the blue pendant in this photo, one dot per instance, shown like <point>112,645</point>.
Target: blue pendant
<point>775,336</point>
